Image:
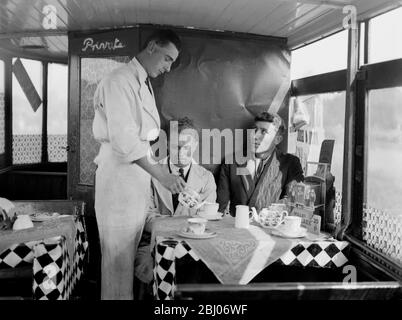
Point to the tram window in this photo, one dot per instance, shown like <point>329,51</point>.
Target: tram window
<point>385,40</point>
<point>317,118</point>
<point>2,109</point>
<point>27,123</point>
<point>326,55</point>
<point>57,112</point>
<point>383,208</point>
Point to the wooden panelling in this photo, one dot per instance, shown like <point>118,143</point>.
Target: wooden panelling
<point>35,186</point>
<point>329,82</point>
<point>375,264</point>
<point>291,291</point>
<point>384,75</point>
<point>34,182</point>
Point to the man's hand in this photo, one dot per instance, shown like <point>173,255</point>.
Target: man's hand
<point>175,184</point>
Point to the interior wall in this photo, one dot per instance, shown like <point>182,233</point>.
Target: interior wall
<point>221,81</point>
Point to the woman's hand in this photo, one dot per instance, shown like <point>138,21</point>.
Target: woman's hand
<point>175,184</point>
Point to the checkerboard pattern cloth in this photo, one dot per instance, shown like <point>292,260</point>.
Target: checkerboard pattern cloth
<point>317,254</point>
<point>166,252</point>
<point>55,274</point>
<point>18,255</point>
<point>320,254</point>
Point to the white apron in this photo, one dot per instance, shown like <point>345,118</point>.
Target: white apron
<point>125,120</point>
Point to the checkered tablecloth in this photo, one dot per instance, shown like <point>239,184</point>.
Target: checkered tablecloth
<point>320,254</point>
<point>55,273</point>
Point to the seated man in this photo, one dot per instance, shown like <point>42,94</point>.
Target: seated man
<point>265,178</point>
<point>163,203</point>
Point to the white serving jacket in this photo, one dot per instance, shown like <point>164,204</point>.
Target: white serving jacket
<point>126,119</point>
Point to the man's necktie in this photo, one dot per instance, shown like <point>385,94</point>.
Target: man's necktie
<point>175,197</point>
<point>149,85</point>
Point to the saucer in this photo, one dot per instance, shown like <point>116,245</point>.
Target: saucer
<point>211,217</point>
<point>190,235</point>
<point>281,232</point>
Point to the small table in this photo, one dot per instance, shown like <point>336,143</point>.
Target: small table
<point>235,256</point>
<point>56,250</point>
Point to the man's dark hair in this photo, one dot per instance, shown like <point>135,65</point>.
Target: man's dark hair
<point>272,118</point>
<point>163,37</point>
<point>182,124</point>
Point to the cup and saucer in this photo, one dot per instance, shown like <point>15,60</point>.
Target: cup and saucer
<point>210,211</point>
<point>196,229</point>
<point>291,228</point>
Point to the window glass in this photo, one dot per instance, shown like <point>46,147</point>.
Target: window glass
<point>57,112</point>
<point>313,119</point>
<point>382,223</point>
<point>2,109</point>
<point>27,124</point>
<point>386,37</point>
<point>326,55</point>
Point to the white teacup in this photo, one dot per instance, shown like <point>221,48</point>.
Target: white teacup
<point>292,224</point>
<point>196,225</point>
<point>23,222</point>
<point>209,209</point>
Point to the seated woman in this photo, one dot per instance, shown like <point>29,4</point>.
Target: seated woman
<point>163,203</point>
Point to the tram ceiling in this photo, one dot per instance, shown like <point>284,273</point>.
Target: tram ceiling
<point>40,27</point>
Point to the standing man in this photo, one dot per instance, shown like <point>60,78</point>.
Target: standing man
<point>126,120</point>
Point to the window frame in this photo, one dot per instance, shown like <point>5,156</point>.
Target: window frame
<point>379,75</point>
<point>44,151</point>
<point>6,157</point>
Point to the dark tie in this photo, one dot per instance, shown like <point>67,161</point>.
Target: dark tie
<point>149,85</point>
<point>175,197</point>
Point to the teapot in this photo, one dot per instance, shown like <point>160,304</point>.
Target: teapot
<point>269,217</point>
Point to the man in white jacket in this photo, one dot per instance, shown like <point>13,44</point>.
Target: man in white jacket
<point>162,203</point>
<point>126,120</point>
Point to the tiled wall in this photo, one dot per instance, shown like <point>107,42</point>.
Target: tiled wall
<point>383,231</point>
<point>92,71</point>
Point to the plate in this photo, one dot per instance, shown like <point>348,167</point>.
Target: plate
<point>281,233</point>
<point>205,235</point>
